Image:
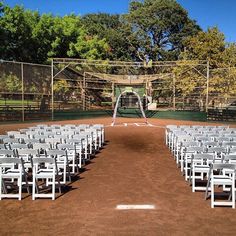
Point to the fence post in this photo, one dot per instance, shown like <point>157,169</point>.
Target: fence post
<point>22,92</point>
<point>207,85</point>
<point>52,89</point>
<point>113,95</point>
<point>84,93</point>
<point>174,107</point>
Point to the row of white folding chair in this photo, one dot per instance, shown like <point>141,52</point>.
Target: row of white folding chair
<point>228,146</point>
<point>171,129</point>
<point>73,157</point>
<point>87,137</point>
<point>187,154</point>
<point>95,131</point>
<point>97,127</point>
<point>205,165</point>
<point>10,172</point>
<point>200,163</point>
<point>79,142</point>
<point>48,171</point>
<point>181,137</point>
<point>44,139</point>
<point>203,168</point>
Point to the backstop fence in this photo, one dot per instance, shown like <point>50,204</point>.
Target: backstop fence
<point>32,91</point>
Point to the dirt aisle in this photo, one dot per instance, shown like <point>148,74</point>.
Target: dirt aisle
<point>135,167</point>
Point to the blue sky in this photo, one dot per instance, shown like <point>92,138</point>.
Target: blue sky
<point>207,13</point>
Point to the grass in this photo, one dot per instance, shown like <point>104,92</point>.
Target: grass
<point>17,102</point>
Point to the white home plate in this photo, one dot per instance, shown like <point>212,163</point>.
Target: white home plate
<point>135,207</point>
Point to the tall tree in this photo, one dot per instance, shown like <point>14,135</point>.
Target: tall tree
<point>160,27</point>
<point>17,42</point>
<point>207,45</point>
<point>116,32</point>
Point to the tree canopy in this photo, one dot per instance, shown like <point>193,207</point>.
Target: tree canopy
<point>153,29</point>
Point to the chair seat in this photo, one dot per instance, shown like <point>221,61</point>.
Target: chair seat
<point>11,175</point>
<point>201,168</point>
<point>222,179</point>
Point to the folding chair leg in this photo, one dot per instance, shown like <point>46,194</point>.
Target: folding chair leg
<point>212,194</point>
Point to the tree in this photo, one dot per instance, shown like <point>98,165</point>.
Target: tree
<point>117,33</point>
<point>17,42</point>
<point>211,46</point>
<point>10,83</point>
<point>160,27</point>
<point>207,45</point>
<point>87,47</point>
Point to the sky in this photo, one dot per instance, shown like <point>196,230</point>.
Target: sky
<point>207,13</point>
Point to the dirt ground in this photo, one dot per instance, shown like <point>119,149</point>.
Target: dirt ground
<point>135,167</point>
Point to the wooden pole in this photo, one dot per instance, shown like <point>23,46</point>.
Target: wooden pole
<point>174,91</point>
<point>84,93</point>
<point>22,92</point>
<point>52,89</point>
<point>207,85</point>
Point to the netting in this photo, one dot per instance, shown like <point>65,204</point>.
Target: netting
<point>31,91</point>
<point>25,91</point>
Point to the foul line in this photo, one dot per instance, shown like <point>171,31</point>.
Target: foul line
<point>135,124</point>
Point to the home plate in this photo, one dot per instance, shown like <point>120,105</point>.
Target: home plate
<point>135,207</point>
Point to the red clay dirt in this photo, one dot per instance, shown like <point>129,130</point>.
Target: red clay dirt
<point>135,167</point>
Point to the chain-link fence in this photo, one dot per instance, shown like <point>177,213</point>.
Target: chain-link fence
<point>25,91</point>
<point>32,91</point>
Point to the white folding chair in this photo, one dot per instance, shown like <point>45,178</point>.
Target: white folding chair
<point>74,156</point>
<point>187,159</point>
<point>62,161</point>
<point>45,169</point>
<point>221,174</point>
<point>200,165</point>
<point>12,169</point>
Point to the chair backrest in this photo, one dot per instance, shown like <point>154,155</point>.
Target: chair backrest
<point>5,153</point>
<point>190,144</point>
<point>204,139</point>
<point>48,134</point>
<point>210,144</point>
<point>66,146</point>
<point>230,158</point>
<point>224,139</point>
<point>2,146</point>
<point>9,160</point>
<point>38,160</point>
<point>18,146</point>
<point>52,140</point>
<point>203,156</point>
<point>73,141</point>
<point>40,137</point>
<point>11,134</point>
<point>3,136</point>
<point>217,150</point>
<point>43,146</point>
<point>31,141</point>
<point>229,144</point>
<point>10,140</point>
<point>31,152</point>
<point>56,152</point>
<point>232,150</point>
<point>21,136</point>
<point>220,166</point>
<point>194,149</point>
